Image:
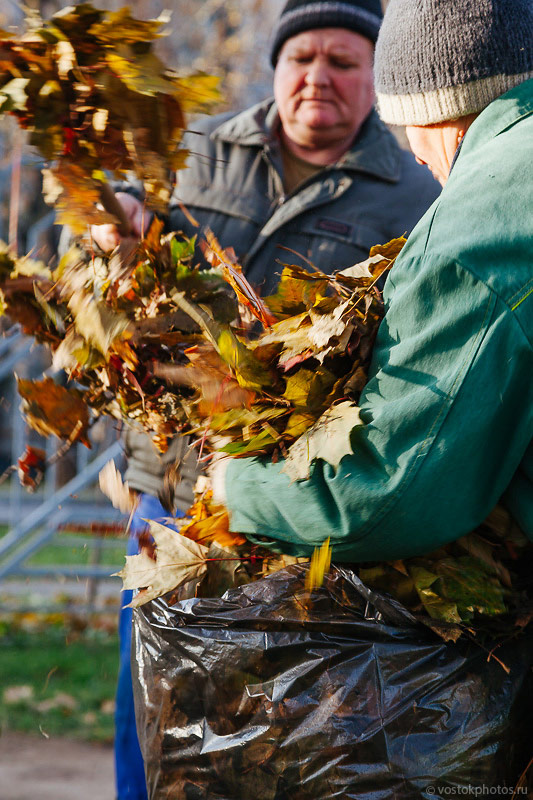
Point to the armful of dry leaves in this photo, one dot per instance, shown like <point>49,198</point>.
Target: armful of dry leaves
<point>151,339</point>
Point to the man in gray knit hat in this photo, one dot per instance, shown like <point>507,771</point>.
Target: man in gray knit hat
<point>439,64</point>
<point>448,412</point>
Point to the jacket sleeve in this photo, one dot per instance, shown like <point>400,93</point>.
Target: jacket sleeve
<point>447,423</point>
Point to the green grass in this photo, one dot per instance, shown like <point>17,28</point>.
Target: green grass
<point>54,660</point>
<point>81,555</point>
<point>66,663</point>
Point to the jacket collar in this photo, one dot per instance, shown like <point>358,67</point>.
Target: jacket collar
<point>374,152</point>
<point>501,114</point>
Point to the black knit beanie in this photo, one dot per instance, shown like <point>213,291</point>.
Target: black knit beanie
<point>439,60</point>
<point>361,16</point>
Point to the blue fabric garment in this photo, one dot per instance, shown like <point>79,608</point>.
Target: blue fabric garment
<point>129,765</point>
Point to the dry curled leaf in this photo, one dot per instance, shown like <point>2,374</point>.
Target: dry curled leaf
<point>178,560</point>
<point>328,439</point>
<point>209,524</point>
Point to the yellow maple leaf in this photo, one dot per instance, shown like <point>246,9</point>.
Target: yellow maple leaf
<point>320,564</point>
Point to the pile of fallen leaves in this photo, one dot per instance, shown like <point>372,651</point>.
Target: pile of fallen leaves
<point>98,102</point>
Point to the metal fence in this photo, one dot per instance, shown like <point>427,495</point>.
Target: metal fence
<point>66,510</point>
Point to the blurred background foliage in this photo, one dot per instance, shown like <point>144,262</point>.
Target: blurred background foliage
<point>229,38</point>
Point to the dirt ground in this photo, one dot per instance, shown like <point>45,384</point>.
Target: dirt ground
<point>34,767</point>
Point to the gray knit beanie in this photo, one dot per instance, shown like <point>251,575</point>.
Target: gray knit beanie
<point>360,16</point>
<point>439,60</point>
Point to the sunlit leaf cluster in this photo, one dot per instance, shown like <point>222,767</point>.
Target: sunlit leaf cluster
<point>152,339</point>
<point>97,101</point>
<point>292,374</point>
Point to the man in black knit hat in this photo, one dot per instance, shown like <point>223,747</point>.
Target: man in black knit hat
<point>363,17</point>
<point>313,170</point>
<point>322,55</point>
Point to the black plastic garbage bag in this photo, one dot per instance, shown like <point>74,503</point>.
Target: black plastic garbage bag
<point>274,694</point>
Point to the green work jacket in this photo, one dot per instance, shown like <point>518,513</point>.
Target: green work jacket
<point>448,410</point>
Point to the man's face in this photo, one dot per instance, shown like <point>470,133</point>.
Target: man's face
<point>323,86</point>
<point>436,145</point>
<point>427,144</point>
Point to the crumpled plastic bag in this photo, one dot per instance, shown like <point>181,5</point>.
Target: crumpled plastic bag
<point>271,693</point>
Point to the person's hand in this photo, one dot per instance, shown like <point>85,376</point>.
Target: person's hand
<point>217,475</point>
<point>218,466</point>
<point>107,237</point>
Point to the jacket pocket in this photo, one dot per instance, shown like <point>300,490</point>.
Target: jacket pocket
<point>242,206</point>
<point>335,244</point>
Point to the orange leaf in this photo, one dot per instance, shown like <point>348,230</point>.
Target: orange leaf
<point>50,408</point>
<point>232,272</point>
<point>210,523</point>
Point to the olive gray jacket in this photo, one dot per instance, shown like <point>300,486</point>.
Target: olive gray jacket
<point>234,186</point>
